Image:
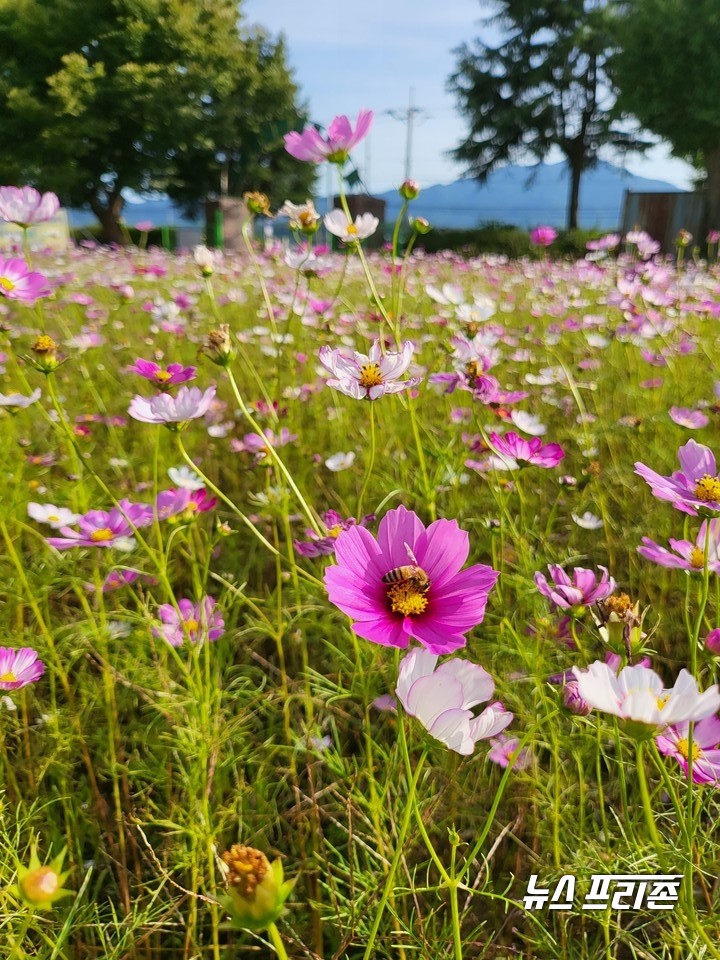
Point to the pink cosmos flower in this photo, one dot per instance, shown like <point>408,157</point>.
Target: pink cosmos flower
<point>368,377</point>
<point>334,524</point>
<point>532,451</point>
<point>543,236</point>
<point>692,419</point>
<point>163,379</point>
<point>712,642</point>
<point>260,444</point>
<point>196,622</point>
<point>687,555</point>
<point>310,146</point>
<point>115,580</point>
<point>19,667</point>
<point>189,404</point>
<point>349,231</point>
<point>442,699</point>
<point>637,694</point>
<point>101,528</point>
<point>144,226</point>
<point>409,582</point>
<point>674,742</point>
<point>583,589</point>
<point>695,486</point>
<point>504,751</point>
<point>25,206</point>
<point>18,282</point>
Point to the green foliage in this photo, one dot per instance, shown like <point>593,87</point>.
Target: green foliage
<point>505,239</point>
<point>543,85</point>
<point>101,95</point>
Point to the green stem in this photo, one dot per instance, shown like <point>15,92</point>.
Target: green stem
<point>371,461</point>
<point>646,802</point>
<point>277,943</point>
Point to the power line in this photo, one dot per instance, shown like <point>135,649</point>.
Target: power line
<point>407,116</point>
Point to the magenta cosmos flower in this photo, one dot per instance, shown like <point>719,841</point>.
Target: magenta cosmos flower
<point>25,206</point>
<point>442,699</point>
<point>518,451</point>
<point>163,379</point>
<point>675,742</point>
<point>368,376</point>
<point>696,486</point>
<point>583,589</point>
<point>18,282</point>
<point>543,236</point>
<point>189,404</point>
<point>104,528</point>
<point>195,622</point>
<point>312,147</point>
<point>409,582</point>
<point>686,555</point>
<point>505,751</point>
<point>19,667</point>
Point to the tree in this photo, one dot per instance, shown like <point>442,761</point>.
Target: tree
<point>102,95</point>
<point>664,71</point>
<point>543,85</point>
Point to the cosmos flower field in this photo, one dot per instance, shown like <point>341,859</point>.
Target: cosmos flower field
<point>401,573</point>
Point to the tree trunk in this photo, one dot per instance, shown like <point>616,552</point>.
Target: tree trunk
<point>712,165</point>
<point>109,217</point>
<point>576,172</point>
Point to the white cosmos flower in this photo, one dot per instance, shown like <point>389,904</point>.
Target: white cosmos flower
<point>450,294</point>
<point>56,517</point>
<point>638,694</point>
<point>185,478</point>
<point>528,422</point>
<point>340,461</point>
<point>336,221</point>
<point>442,699</point>
<point>588,521</point>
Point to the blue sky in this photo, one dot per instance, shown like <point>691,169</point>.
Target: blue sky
<point>371,54</point>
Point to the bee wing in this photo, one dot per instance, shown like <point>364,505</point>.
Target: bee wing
<point>410,554</point>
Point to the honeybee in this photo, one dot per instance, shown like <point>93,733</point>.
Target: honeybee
<point>409,573</point>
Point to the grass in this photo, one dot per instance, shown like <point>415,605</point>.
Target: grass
<point>146,761</point>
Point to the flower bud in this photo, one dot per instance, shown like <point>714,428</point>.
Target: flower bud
<point>712,642</point>
<point>40,886</point>
<point>257,203</point>
<point>205,259</point>
<point>409,189</point>
<point>256,889</point>
<point>218,346</point>
<point>46,358</point>
<point>573,701</point>
<point>420,225</point>
<point>683,238</point>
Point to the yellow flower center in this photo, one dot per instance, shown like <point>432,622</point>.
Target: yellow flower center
<point>44,344</point>
<point>307,218</point>
<point>162,376</point>
<point>247,869</point>
<point>53,517</point>
<point>697,558</point>
<point>708,488</point>
<point>683,748</point>
<point>6,284</point>
<point>370,375</point>
<point>661,701</point>
<point>191,626</point>
<point>8,677</point>
<point>191,507</point>
<point>351,229</point>
<point>335,531</point>
<point>102,535</point>
<point>405,598</point>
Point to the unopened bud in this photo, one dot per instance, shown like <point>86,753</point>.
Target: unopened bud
<point>257,203</point>
<point>409,189</point>
<point>256,890</point>
<point>40,886</point>
<point>420,225</point>
<point>205,259</point>
<point>573,701</point>
<point>712,642</point>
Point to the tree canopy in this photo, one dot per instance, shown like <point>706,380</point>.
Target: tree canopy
<point>664,70</point>
<point>101,95</point>
<point>543,84</point>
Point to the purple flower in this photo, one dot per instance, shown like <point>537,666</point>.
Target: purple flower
<point>368,377</point>
<point>692,419</point>
<point>573,701</point>
<point>674,742</point>
<point>334,524</point>
<point>712,641</point>
<point>25,206</point>
<point>310,146</point>
<point>519,450</point>
<point>505,753</point>
<point>687,555</point>
<point>543,236</point>
<point>260,443</point>
<point>695,486</point>
<point>409,582</point>
<point>170,503</point>
<point>163,379</point>
<point>19,667</point>
<point>115,580</point>
<point>18,282</point>
<point>442,699</point>
<point>195,622</point>
<point>189,404</point>
<point>101,528</point>
<point>582,590</point>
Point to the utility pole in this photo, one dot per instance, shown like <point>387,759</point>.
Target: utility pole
<point>407,117</point>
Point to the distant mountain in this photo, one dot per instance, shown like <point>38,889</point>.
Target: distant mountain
<point>524,196</point>
<point>528,196</point>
